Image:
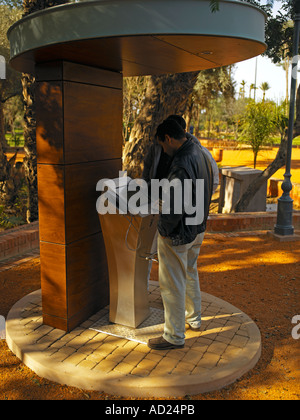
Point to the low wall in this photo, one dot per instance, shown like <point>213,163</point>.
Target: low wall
<point>233,222</point>
<point>19,240</point>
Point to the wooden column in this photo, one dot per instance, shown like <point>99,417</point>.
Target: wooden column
<point>79,142</point>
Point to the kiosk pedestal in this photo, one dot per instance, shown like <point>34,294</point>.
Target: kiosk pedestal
<point>128,242</point>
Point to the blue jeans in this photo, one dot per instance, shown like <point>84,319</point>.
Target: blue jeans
<point>179,286</point>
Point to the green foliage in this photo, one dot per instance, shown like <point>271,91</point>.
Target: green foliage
<point>279,32</point>
<point>8,220</point>
<point>296,141</point>
<point>281,121</point>
<point>15,139</point>
<point>258,124</point>
<point>214,6</point>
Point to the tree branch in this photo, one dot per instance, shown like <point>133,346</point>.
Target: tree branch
<point>11,95</point>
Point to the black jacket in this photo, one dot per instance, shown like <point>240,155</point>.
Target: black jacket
<point>189,162</point>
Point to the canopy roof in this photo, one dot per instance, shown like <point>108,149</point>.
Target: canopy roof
<point>139,37</point>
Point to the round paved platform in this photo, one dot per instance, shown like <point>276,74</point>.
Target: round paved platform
<point>228,346</point>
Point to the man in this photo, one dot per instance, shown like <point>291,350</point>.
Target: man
<point>178,241</point>
<point>156,166</point>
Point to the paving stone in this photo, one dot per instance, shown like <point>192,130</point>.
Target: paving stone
<point>227,341</point>
<point>106,365</point>
<point>75,358</point>
<point>147,364</point>
<point>192,356</point>
<point>140,372</point>
<point>124,368</point>
<point>87,364</point>
<point>209,360</point>
<point>134,357</point>
<point>185,367</point>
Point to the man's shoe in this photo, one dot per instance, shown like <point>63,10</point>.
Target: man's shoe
<point>160,343</point>
<point>193,328</point>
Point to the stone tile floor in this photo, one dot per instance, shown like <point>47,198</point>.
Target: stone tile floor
<point>228,345</point>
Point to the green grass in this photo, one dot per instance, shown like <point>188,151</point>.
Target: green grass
<point>296,141</point>
<point>15,141</point>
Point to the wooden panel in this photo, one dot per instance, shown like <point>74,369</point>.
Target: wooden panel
<point>91,75</point>
<point>86,52</point>
<point>79,143</point>
<point>67,199</point>
<point>74,281</point>
<point>93,114</point>
<point>93,122</point>
<point>52,70</point>
<point>88,285</point>
<point>53,279</point>
<point>81,196</point>
<point>49,116</point>
<point>71,71</point>
<point>56,322</point>
<point>51,185</point>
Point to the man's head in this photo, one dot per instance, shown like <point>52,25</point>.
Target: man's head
<point>170,135</point>
<point>180,120</point>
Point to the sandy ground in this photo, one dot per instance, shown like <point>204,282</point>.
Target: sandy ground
<point>252,271</point>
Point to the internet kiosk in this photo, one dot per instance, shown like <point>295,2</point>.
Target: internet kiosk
<point>128,242</point>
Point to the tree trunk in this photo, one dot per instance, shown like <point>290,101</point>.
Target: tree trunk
<point>255,153</point>
<point>28,83</point>
<point>30,161</point>
<point>189,112</point>
<point>278,162</point>
<point>165,95</point>
<point>2,129</point>
<point>3,159</point>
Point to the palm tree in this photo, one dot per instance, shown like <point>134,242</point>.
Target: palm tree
<point>252,87</point>
<point>242,89</point>
<point>264,87</point>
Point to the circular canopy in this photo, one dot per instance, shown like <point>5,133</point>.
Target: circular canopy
<point>139,37</point>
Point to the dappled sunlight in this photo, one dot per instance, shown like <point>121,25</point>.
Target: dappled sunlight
<point>244,252</point>
<point>266,258</point>
<point>224,252</point>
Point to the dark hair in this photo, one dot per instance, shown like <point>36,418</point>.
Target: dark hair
<point>178,119</point>
<point>170,127</point>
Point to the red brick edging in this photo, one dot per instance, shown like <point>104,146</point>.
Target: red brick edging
<point>19,240</point>
<point>246,221</point>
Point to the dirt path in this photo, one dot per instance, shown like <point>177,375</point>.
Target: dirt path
<point>251,271</point>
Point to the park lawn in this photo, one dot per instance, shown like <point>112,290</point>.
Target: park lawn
<point>244,157</point>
